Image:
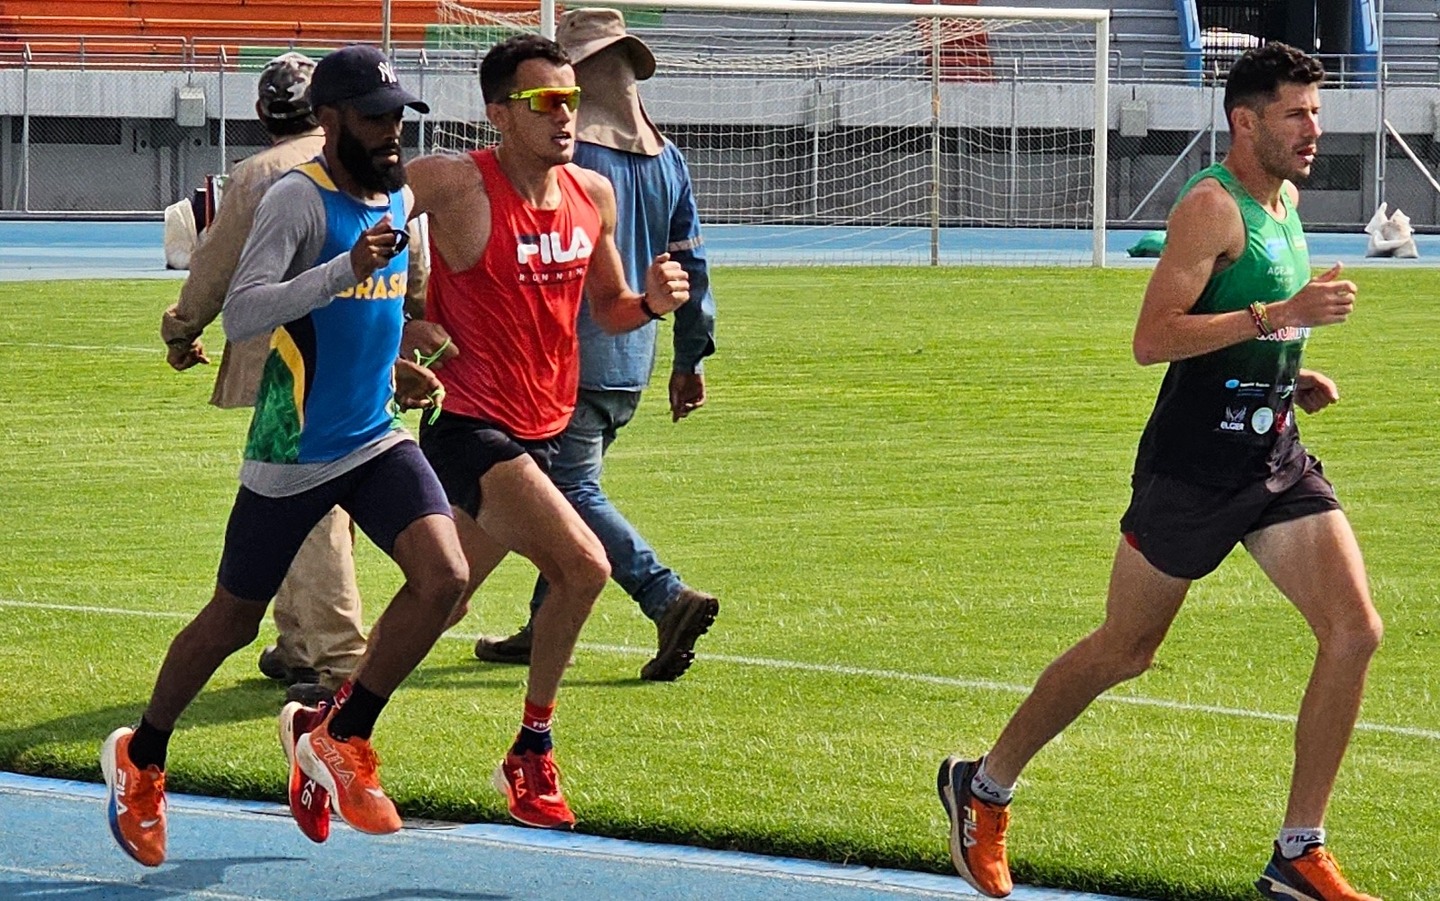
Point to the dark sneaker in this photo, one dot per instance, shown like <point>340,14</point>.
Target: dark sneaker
<point>309,803</point>
<point>273,666</point>
<point>530,783</point>
<point>977,830</point>
<point>311,694</point>
<point>514,649</point>
<point>1313,876</point>
<point>688,617</point>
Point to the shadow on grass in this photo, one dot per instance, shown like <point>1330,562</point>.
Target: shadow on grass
<point>836,846</point>
<point>481,674</point>
<point>23,749</point>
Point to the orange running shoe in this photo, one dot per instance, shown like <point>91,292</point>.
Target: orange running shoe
<point>309,803</point>
<point>349,771</point>
<point>531,786</point>
<point>1313,876</point>
<point>977,830</point>
<point>136,802</point>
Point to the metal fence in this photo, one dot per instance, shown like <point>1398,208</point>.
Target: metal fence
<point>1382,141</point>
<point>107,127</point>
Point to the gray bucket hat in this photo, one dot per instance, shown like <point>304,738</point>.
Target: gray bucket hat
<point>583,33</point>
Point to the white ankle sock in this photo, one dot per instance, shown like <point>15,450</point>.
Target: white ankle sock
<point>984,787</point>
<point>1294,842</point>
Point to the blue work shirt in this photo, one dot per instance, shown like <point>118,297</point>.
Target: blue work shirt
<point>655,212</point>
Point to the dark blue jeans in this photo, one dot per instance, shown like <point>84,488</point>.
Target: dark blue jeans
<point>576,472</point>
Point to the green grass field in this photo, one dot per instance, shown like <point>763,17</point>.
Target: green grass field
<point>904,489</point>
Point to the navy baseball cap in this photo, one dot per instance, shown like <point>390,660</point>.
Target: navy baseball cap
<point>362,77</point>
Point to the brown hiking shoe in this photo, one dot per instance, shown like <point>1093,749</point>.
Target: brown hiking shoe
<point>687,618</point>
<point>513,649</point>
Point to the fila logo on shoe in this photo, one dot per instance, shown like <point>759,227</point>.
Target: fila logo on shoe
<point>332,756</point>
<point>520,783</point>
<point>968,828</point>
<point>120,777</point>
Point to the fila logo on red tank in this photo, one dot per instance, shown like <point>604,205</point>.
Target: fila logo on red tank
<point>548,258</point>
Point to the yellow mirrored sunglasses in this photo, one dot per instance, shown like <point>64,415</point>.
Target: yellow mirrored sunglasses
<point>548,100</point>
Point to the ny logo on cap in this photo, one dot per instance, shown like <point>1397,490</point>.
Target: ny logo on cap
<point>387,74</point>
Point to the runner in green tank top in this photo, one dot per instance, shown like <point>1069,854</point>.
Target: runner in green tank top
<point>1223,417</point>
<point>1229,307</point>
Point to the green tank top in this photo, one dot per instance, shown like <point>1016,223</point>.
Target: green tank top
<point>1226,417</point>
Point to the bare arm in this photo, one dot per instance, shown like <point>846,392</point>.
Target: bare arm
<point>428,177</point>
<point>449,189</point>
<point>1204,230</point>
<point>418,273</point>
<point>613,305</point>
<point>1314,391</point>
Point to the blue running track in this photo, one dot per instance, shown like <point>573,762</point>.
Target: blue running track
<point>55,844</point>
<point>32,250</point>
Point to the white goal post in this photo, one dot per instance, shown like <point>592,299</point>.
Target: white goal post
<point>837,132</point>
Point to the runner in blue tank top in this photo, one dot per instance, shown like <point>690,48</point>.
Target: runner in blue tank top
<point>1229,307</point>
<point>325,269</point>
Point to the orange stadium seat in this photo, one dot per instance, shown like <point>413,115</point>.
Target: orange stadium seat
<point>412,21</point>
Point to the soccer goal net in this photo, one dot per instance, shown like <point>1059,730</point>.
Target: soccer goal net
<point>859,133</point>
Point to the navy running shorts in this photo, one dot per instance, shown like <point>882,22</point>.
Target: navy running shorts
<point>462,450</point>
<point>383,495</point>
<point>1185,529</point>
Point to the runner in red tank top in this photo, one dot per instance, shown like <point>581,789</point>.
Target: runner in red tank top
<point>515,310</point>
<point>516,232</point>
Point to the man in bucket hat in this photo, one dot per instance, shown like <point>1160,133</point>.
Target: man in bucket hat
<point>655,214</point>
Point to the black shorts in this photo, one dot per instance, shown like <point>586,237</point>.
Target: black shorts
<point>384,495</point>
<point>462,450</point>
<point>1185,529</point>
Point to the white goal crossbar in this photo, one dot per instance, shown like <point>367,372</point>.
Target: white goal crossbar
<point>1019,161</point>
<point>860,7</point>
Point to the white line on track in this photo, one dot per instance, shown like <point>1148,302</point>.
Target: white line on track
<point>138,885</point>
<point>833,669</point>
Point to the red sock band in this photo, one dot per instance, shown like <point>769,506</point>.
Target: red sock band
<point>342,694</point>
<point>537,718</point>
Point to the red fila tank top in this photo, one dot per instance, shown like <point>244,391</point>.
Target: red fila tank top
<point>513,313</point>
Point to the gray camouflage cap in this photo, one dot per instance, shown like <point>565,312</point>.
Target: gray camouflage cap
<point>285,87</point>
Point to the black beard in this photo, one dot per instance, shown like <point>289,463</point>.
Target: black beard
<point>365,169</point>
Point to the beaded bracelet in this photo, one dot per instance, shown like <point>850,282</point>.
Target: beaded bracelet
<point>1261,317</point>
